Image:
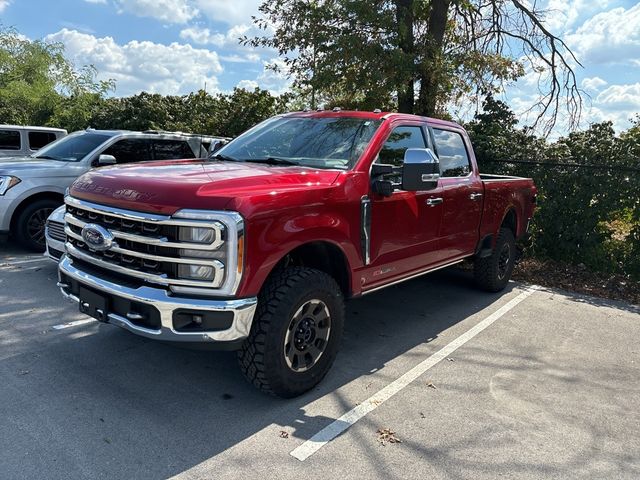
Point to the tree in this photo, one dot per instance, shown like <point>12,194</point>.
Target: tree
<point>424,52</point>
<point>36,79</point>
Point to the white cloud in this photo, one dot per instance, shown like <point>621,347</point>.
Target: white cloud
<point>276,81</point>
<point>563,14</point>
<point>96,1</point>
<point>170,11</point>
<point>202,36</point>
<point>608,38</point>
<point>143,66</point>
<point>248,84</point>
<point>620,97</point>
<point>4,4</point>
<point>229,12</point>
<point>593,84</point>
<point>235,51</point>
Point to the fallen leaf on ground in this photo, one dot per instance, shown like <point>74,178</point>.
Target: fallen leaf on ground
<point>284,434</point>
<point>385,435</point>
<point>422,415</point>
<point>431,385</point>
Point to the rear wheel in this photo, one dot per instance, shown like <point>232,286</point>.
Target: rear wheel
<point>492,273</point>
<point>30,224</point>
<point>295,334</point>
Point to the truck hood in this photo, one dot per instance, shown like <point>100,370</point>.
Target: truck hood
<point>167,186</point>
<point>34,167</point>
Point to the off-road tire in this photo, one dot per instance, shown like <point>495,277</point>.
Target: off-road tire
<point>262,356</point>
<point>36,212</point>
<point>489,272</point>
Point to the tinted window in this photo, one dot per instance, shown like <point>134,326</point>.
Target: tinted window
<point>9,140</point>
<point>130,150</point>
<point>72,148</point>
<point>454,161</point>
<point>37,140</point>
<point>398,142</point>
<point>171,149</point>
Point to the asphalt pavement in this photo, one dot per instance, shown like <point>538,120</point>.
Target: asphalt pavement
<point>454,383</point>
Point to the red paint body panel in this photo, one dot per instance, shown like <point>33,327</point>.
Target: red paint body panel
<point>285,207</point>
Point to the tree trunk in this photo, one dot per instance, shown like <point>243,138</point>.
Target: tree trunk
<point>430,69</point>
<point>405,19</point>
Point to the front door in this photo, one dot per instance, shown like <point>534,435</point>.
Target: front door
<point>404,226</point>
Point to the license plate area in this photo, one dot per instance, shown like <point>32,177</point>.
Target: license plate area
<point>94,305</point>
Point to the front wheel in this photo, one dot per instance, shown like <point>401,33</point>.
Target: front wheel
<point>295,334</point>
<point>492,273</point>
<point>30,224</point>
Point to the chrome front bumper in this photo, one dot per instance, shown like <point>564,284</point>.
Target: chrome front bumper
<point>243,309</point>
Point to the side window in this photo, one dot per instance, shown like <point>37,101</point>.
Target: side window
<point>399,141</point>
<point>454,161</point>
<point>130,150</point>
<point>37,140</point>
<point>9,140</point>
<point>171,149</point>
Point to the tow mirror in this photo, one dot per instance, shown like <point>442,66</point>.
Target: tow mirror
<point>420,170</point>
<point>106,160</point>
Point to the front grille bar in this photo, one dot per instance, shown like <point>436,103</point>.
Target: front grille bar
<point>111,218</point>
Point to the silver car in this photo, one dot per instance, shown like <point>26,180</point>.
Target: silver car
<point>54,233</point>
<point>32,187</point>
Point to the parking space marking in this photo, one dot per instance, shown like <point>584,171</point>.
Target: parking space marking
<point>73,324</point>
<point>331,431</point>
<point>11,263</point>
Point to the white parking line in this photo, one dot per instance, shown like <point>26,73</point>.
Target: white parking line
<point>73,324</point>
<point>11,263</point>
<point>334,429</point>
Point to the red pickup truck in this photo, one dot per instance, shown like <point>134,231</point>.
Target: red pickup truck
<point>257,248</point>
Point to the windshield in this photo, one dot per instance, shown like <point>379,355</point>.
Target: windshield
<point>72,148</point>
<point>314,142</point>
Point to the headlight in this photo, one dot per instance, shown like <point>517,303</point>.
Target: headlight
<point>196,272</point>
<point>214,242</point>
<point>6,182</point>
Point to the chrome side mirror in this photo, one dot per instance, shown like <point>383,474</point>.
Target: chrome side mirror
<point>106,160</point>
<point>420,170</point>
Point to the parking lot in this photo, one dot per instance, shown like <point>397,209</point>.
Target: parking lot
<point>530,383</point>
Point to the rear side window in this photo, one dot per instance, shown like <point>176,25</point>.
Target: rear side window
<point>9,140</point>
<point>130,150</point>
<point>37,140</point>
<point>454,161</point>
<point>171,149</point>
<point>398,142</point>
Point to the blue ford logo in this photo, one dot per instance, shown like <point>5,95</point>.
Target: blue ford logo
<point>96,237</point>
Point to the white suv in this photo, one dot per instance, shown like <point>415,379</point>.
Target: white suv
<point>17,140</point>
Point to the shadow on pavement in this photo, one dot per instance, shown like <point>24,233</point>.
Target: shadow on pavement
<point>108,403</point>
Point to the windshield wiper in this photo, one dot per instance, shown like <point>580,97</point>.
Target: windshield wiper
<point>219,156</point>
<point>272,161</point>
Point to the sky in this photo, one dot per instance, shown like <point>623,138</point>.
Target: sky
<point>178,46</point>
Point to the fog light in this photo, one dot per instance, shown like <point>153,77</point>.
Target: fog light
<point>196,272</point>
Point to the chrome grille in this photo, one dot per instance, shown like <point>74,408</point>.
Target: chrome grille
<point>55,230</point>
<point>147,246</point>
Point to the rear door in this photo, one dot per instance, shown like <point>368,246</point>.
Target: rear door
<point>404,226</point>
<point>462,192</point>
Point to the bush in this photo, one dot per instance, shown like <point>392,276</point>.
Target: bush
<point>588,183</point>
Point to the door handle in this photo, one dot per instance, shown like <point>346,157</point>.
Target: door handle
<point>475,196</point>
<point>432,202</point>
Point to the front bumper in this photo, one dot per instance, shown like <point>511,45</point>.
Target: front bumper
<point>242,310</point>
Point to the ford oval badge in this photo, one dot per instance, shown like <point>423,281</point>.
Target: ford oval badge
<point>96,237</point>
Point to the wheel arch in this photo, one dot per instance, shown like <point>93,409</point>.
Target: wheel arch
<point>48,195</point>
<point>322,255</point>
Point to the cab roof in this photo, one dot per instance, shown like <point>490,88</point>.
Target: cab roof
<point>375,115</point>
